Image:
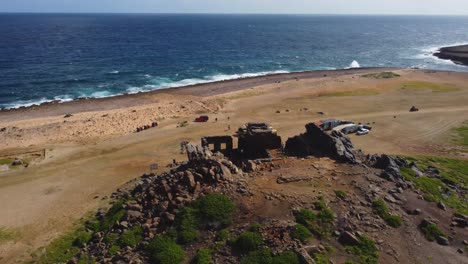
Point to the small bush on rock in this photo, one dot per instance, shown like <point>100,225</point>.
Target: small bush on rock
<point>215,209</point>
<point>365,250</point>
<point>380,208</point>
<point>187,225</point>
<point>203,256</point>
<point>340,194</point>
<point>164,250</point>
<point>131,237</point>
<point>301,232</point>
<point>305,217</point>
<point>81,239</point>
<point>265,256</point>
<point>249,241</point>
<point>432,232</point>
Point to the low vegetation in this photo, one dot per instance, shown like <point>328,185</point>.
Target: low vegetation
<point>131,238</point>
<point>432,232</point>
<point>381,209</point>
<point>115,213</point>
<point>213,210</point>
<point>164,250</point>
<point>7,235</point>
<point>381,75</point>
<point>418,86</point>
<point>203,256</point>
<point>365,250</point>
<point>461,135</point>
<point>359,92</point>
<point>320,223</point>
<point>453,172</point>
<point>265,256</point>
<point>301,232</point>
<point>340,194</point>
<point>249,241</point>
<point>63,248</point>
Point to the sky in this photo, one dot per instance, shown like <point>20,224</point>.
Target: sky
<point>424,7</point>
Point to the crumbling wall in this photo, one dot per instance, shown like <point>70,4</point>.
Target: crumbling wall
<point>217,142</point>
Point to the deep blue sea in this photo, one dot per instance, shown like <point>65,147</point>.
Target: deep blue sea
<point>46,57</point>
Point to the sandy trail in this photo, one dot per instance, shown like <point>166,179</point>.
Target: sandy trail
<point>44,199</point>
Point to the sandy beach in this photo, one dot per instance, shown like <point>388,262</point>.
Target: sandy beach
<point>76,162</point>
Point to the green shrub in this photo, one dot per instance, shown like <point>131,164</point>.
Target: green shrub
<point>110,239</point>
<point>261,256</point>
<point>223,235</point>
<point>86,260</point>
<point>305,217</point>
<point>81,239</point>
<point>287,257</point>
<point>113,249</point>
<point>321,258</point>
<point>393,220</point>
<point>249,241</point>
<point>340,194</point>
<point>131,237</point>
<point>320,204</point>
<point>365,250</point>
<point>301,232</point>
<point>215,209</point>
<point>254,227</point>
<point>115,213</point>
<point>203,256</point>
<point>187,225</point>
<point>264,256</point>
<point>432,232</point>
<point>380,208</point>
<point>164,250</point>
<point>326,216</point>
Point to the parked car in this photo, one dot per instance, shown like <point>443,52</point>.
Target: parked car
<point>202,118</point>
<point>362,131</point>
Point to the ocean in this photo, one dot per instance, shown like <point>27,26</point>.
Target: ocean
<point>46,57</point>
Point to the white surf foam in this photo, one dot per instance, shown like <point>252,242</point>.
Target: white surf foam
<point>354,64</point>
<point>427,53</point>
<point>164,83</point>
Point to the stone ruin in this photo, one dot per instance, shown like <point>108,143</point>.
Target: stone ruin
<point>218,142</point>
<point>317,142</point>
<point>255,139</point>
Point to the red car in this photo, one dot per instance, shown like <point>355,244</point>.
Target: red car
<point>202,118</point>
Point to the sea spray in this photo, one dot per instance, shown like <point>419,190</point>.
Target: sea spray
<point>354,64</point>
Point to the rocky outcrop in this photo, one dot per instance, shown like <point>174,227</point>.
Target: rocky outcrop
<point>155,200</point>
<point>457,54</point>
<point>317,142</point>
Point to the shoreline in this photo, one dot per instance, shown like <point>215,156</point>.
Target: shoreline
<point>200,90</point>
<point>456,54</point>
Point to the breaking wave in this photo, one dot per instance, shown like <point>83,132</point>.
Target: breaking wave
<point>164,83</point>
<point>354,64</point>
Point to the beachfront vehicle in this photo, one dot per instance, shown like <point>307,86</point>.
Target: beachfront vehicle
<point>202,118</point>
<point>362,131</point>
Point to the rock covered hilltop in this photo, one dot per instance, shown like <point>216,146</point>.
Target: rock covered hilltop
<point>457,54</point>
<point>326,202</point>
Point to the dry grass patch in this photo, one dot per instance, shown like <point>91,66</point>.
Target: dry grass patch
<point>418,86</point>
<point>360,92</point>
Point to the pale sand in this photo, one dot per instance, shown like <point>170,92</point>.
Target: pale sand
<point>95,151</point>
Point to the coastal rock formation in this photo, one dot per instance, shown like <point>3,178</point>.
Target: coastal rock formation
<point>317,142</point>
<point>457,54</point>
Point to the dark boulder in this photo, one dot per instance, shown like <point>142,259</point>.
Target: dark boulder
<point>317,142</point>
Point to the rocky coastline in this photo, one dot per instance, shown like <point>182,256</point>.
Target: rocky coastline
<point>457,54</point>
